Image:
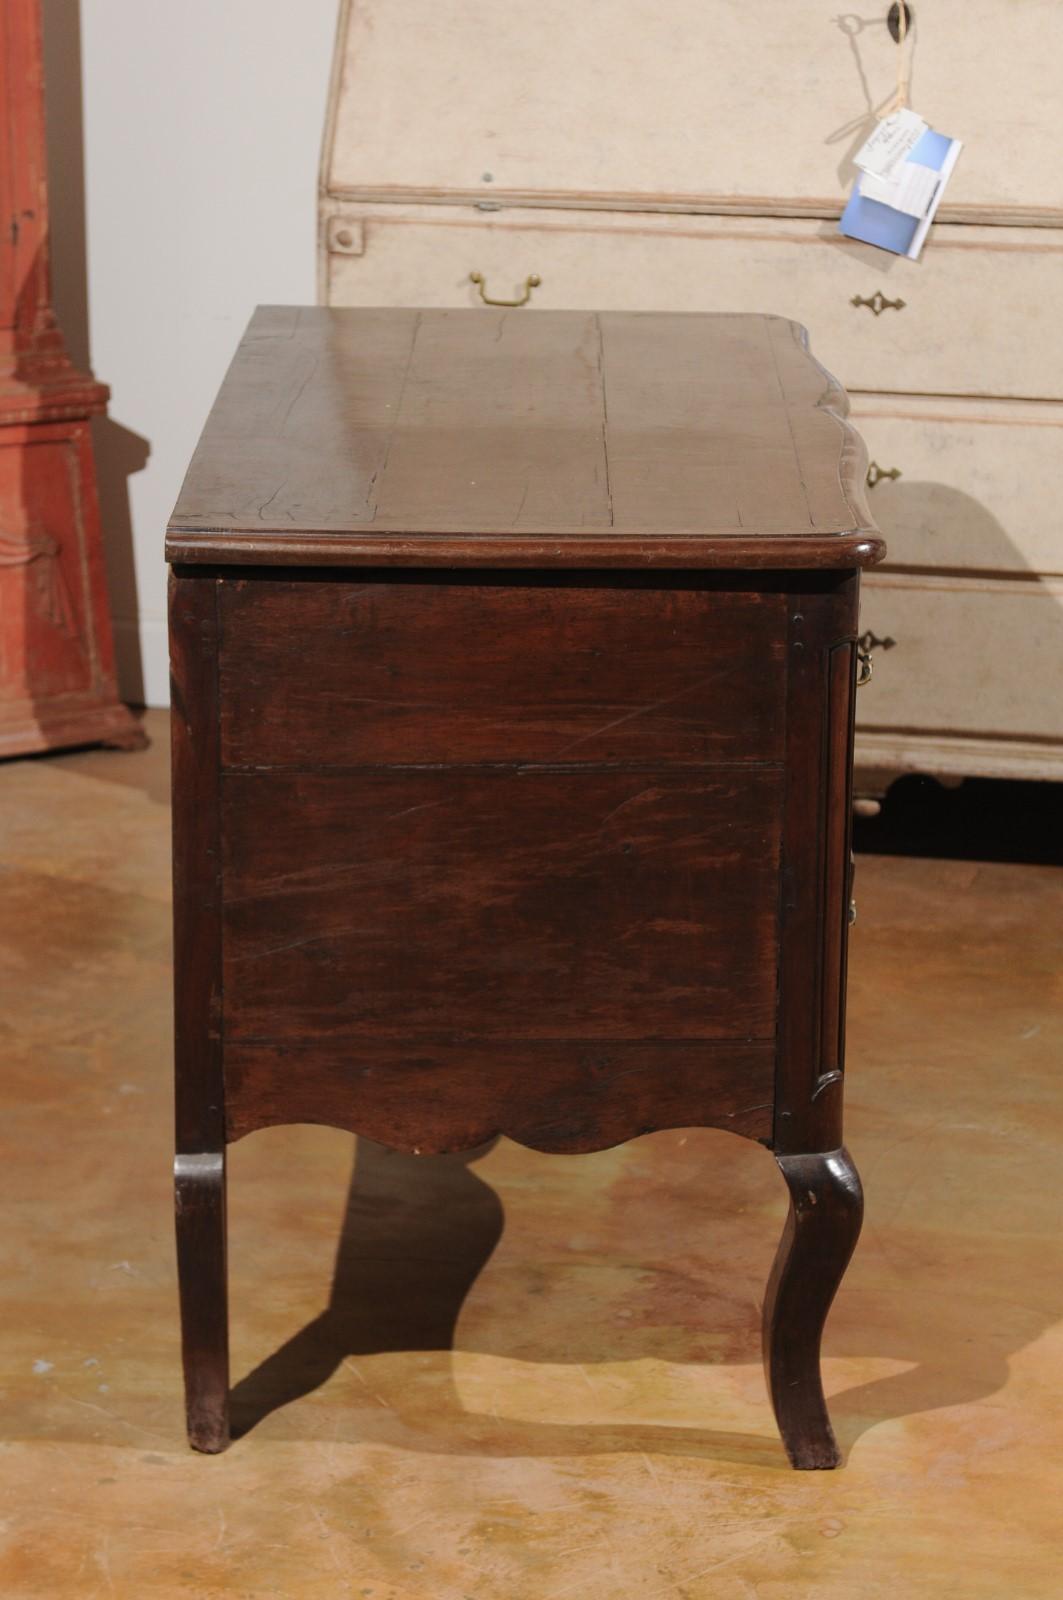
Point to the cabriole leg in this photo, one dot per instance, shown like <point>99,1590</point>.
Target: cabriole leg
<point>199,1195</point>
<point>826,1209</point>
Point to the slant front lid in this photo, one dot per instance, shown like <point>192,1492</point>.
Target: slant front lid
<point>528,438</point>
<point>694,104</point>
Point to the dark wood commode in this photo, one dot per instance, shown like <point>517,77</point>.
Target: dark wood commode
<point>514,659</point>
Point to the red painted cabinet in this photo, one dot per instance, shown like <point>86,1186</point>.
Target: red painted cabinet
<point>57,679</point>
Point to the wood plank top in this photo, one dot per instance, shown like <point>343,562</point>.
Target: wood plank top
<point>525,438</point>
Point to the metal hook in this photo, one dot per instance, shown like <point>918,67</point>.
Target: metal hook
<point>893,20</point>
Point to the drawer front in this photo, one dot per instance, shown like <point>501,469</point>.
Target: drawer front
<point>970,656</point>
<point>353,673</point>
<point>979,314</point>
<point>437,904</point>
<point>977,485</point>
<point>617,97</point>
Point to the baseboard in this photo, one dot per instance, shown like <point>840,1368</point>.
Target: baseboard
<point>142,655</point>
<point>881,757</point>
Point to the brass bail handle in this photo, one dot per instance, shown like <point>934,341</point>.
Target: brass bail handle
<point>531,282</point>
<point>865,665</point>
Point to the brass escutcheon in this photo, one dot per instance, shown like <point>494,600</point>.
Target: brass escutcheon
<point>877,303</point>
<point>530,283</point>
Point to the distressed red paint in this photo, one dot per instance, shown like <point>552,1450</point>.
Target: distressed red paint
<point>57,676</point>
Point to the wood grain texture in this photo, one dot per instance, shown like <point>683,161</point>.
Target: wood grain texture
<point>443,903</point>
<point>416,437</point>
<point>459,672</point>
<point>199,1167</point>
<point>822,1227</point>
<point>196,864</point>
<point>202,1275</point>
<point>813,927</point>
<point>837,862</point>
<point>561,1095</point>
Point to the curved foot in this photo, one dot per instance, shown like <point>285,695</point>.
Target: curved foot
<point>826,1209</point>
<point>199,1195</point>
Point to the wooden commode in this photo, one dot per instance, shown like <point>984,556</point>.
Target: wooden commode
<point>514,661</point>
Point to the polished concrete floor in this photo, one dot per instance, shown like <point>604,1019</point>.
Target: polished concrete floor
<point>524,1377</point>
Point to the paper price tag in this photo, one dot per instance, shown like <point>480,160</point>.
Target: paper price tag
<point>891,141</point>
<point>911,189</point>
<point>895,212</point>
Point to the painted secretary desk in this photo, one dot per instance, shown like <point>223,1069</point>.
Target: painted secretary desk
<point>697,157</point>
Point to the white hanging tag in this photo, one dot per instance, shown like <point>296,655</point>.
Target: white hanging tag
<point>890,142</point>
<point>911,188</point>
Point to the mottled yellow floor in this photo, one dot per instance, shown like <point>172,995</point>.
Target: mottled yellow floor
<point>539,1376</point>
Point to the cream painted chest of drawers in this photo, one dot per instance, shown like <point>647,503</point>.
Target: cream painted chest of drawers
<point>696,157</point>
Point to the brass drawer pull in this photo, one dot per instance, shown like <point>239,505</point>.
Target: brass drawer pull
<point>877,303</point>
<point>865,668</point>
<point>530,283</point>
<point>875,474</point>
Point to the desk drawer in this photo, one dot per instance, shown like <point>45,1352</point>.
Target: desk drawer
<point>341,673</point>
<point>977,485</point>
<point>979,315</point>
<point>973,656</point>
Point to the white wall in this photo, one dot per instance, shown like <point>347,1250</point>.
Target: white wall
<point>202,127</point>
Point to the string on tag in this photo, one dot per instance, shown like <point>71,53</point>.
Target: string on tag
<point>903,69</point>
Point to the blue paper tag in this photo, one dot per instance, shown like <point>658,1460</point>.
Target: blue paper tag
<point>915,184</point>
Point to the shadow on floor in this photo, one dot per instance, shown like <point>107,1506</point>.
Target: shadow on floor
<point>416,1234</point>
<point>418,1231</point>
<point>984,819</point>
